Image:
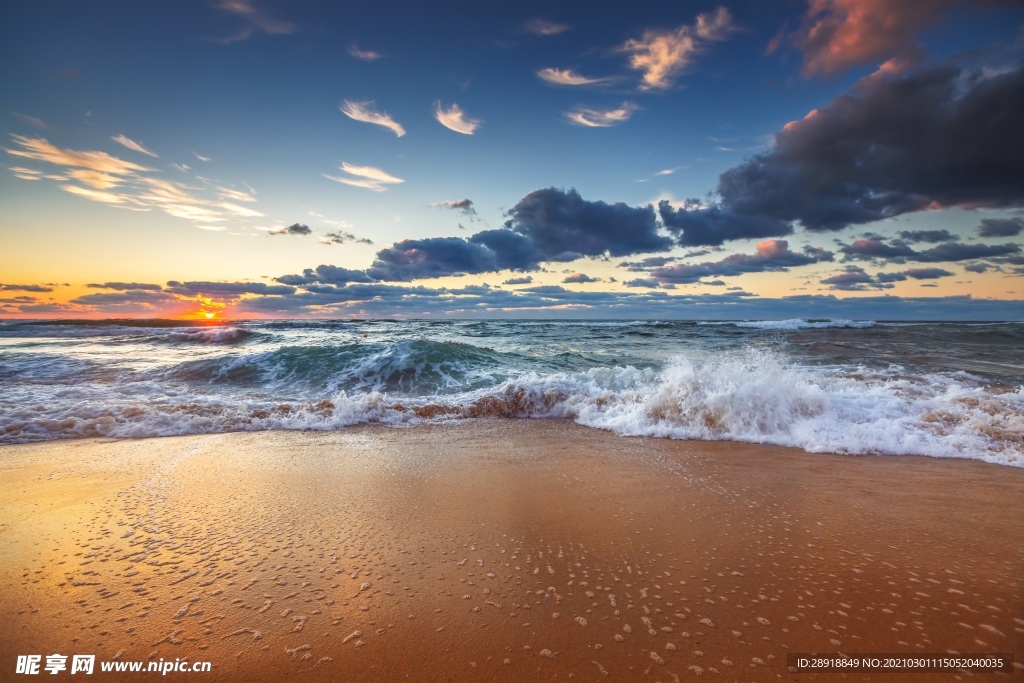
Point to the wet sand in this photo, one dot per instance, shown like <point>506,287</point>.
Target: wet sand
<point>506,550</point>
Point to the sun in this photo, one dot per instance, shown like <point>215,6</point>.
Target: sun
<point>209,314</point>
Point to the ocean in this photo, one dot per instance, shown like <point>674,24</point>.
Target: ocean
<point>833,386</point>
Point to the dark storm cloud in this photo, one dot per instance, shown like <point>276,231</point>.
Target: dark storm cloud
<point>771,255</point>
<point>546,225</point>
<point>698,225</point>
<point>511,250</point>
<point>125,286</point>
<point>1001,227</point>
<point>580,278</point>
<point>432,257</point>
<point>293,229</point>
<point>941,137</point>
<point>928,236</point>
<point>325,274</point>
<point>226,290</point>
<point>561,222</point>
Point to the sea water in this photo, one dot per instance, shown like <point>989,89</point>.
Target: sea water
<point>839,386</point>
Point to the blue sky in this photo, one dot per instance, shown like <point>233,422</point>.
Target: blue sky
<point>242,158</point>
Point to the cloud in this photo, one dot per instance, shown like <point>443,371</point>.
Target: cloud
<point>40,149</point>
<point>101,174</point>
<point>125,286</point>
<point>235,195</point>
<point>662,55</point>
<point>463,205</point>
<point>432,257</point>
<point>926,273</point>
<point>138,300</point>
<point>543,27</point>
<point>453,118</point>
<point>226,290</point>
<point>649,282</point>
<point>201,157</point>
<point>364,55</point>
<point>839,34</point>
<point>856,279</point>
<point>1001,227</point>
<point>561,223</point>
<point>601,118</point>
<point>255,19</point>
<point>928,236</point>
<point>342,237</point>
<point>24,288</point>
<point>132,145</point>
<point>324,274</point>
<point>875,247</point>
<point>368,177</point>
<point>771,255</point>
<point>939,138</point>
<point>363,111</point>
<point>568,77</point>
<point>293,229</point>
<point>33,121</point>
<point>519,280</point>
<point>580,278</point>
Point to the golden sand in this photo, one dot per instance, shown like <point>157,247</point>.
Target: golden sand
<point>506,550</point>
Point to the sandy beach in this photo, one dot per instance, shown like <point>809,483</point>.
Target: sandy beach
<point>506,550</point>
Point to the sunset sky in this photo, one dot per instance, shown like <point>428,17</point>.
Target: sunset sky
<point>821,158</point>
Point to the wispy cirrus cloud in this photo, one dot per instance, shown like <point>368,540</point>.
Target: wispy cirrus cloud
<point>453,118</point>
<point>568,77</point>
<point>255,20</point>
<point>40,149</point>
<point>132,145</point>
<point>601,118</point>
<point>662,55</point>
<point>364,55</point>
<point>367,177</point>
<point>201,157</point>
<point>33,121</point>
<point>543,27</point>
<point>107,179</point>
<point>364,111</point>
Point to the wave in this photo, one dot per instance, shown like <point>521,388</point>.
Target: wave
<point>156,330</point>
<point>418,366</point>
<point>797,324</point>
<point>751,396</point>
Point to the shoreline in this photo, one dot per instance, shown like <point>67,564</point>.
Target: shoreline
<point>451,548</point>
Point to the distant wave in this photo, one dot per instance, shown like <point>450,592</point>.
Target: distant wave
<point>796,324</point>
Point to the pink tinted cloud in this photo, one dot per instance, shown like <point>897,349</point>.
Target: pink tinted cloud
<point>839,34</point>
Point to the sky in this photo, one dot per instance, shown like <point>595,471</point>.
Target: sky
<point>234,159</point>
